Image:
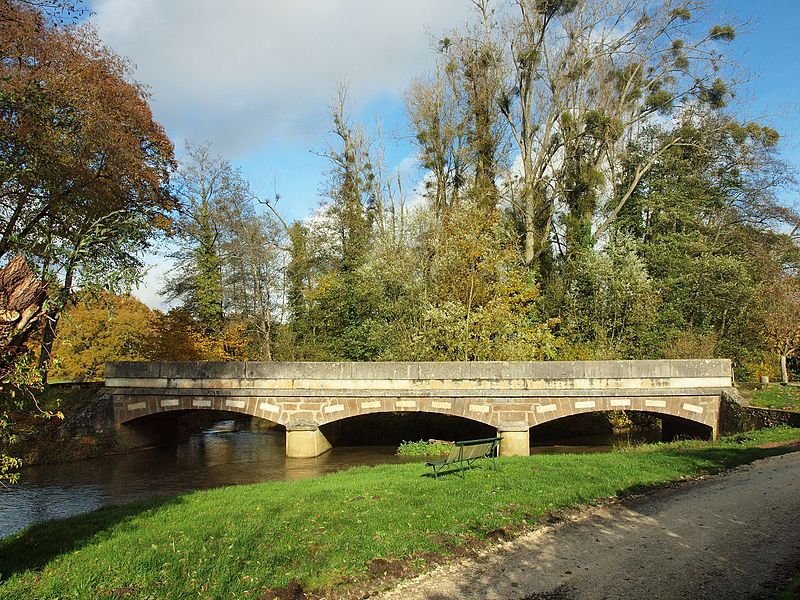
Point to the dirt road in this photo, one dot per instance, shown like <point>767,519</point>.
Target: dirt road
<point>735,535</point>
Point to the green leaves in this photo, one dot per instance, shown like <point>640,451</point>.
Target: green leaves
<point>724,33</point>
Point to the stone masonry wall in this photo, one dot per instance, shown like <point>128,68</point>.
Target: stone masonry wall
<point>511,396</point>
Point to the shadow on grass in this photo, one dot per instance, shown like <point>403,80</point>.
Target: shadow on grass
<point>37,545</point>
<point>457,470</point>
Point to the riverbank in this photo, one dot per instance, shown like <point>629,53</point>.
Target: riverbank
<point>86,431</point>
<point>333,534</point>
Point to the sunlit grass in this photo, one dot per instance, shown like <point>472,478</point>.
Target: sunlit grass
<point>236,542</point>
<point>784,397</point>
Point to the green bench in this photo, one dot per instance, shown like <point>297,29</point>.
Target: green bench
<point>465,453</point>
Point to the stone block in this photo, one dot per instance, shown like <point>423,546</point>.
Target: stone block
<point>512,417</point>
<point>385,370</point>
<point>298,370</point>
<point>183,383</point>
<point>180,370</point>
<point>514,443</point>
<point>222,370</point>
<point>306,443</point>
<point>135,382</point>
<point>440,370</point>
<point>222,383</point>
<point>700,382</point>
<point>701,368</point>
<point>135,370</point>
<point>544,370</point>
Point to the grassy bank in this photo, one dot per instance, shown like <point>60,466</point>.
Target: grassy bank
<point>332,531</point>
<point>783,397</point>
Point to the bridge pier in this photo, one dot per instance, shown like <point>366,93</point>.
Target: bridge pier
<point>305,441</point>
<point>516,440</point>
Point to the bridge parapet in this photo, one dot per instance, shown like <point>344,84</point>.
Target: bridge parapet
<point>512,396</point>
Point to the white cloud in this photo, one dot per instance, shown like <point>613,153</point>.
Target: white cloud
<point>239,72</point>
<point>149,290</point>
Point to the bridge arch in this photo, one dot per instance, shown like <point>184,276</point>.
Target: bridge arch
<point>650,425</point>
<point>511,397</point>
<point>137,407</point>
<point>392,428</point>
<point>698,409</point>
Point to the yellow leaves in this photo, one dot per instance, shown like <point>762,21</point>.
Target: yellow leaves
<point>100,327</point>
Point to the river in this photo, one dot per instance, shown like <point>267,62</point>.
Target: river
<point>226,454</point>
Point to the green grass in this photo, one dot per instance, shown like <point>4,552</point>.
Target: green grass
<point>784,397</point>
<point>792,590</point>
<point>423,448</point>
<point>324,533</point>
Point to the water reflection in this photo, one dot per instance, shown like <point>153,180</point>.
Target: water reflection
<point>590,444</point>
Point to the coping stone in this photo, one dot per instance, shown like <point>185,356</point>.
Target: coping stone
<point>132,370</point>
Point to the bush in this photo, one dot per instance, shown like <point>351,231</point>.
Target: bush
<point>423,448</point>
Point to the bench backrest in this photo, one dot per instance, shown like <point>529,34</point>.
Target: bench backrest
<point>477,450</point>
<point>454,456</point>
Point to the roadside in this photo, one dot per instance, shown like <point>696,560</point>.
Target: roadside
<point>734,535</point>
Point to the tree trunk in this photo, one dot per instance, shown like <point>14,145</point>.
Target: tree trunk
<point>22,297</point>
<point>48,338</point>
<point>52,317</point>
<point>784,370</point>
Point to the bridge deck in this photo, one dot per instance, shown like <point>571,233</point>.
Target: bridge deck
<point>511,396</point>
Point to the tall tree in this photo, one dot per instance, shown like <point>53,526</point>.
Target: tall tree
<point>229,254</point>
<point>207,186</point>
<point>584,76</point>
<point>710,225</point>
<point>83,165</point>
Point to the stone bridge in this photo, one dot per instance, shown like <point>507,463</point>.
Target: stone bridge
<point>509,396</point>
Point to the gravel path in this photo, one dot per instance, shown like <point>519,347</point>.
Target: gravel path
<point>735,535</point>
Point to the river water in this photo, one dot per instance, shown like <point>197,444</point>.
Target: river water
<point>224,454</point>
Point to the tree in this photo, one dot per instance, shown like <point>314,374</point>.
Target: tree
<point>610,301</point>
<point>583,78</point>
<point>205,184</point>
<point>83,165</point>
<point>100,327</point>
<point>22,300</point>
<point>782,319</point>
<point>228,253</point>
<point>252,259</point>
<point>709,227</point>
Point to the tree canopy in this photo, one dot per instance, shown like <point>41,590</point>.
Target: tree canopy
<point>591,187</point>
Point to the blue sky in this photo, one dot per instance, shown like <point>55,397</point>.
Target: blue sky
<point>769,48</point>
<point>255,79</point>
